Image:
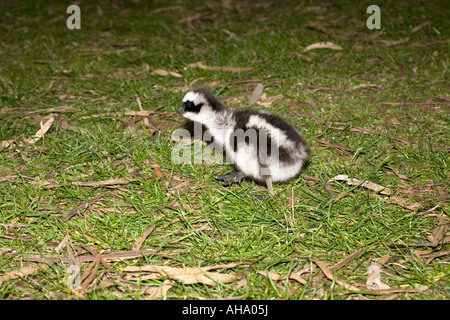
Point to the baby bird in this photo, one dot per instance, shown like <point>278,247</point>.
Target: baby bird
<point>262,146</point>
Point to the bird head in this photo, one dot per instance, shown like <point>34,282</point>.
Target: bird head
<point>200,105</point>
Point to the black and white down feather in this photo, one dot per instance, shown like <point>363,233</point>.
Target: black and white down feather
<point>262,146</point>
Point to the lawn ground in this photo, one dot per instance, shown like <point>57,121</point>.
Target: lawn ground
<point>88,187</point>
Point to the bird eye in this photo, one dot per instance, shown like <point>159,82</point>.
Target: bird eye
<point>192,107</point>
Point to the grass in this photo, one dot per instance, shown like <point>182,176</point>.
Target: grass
<point>109,62</point>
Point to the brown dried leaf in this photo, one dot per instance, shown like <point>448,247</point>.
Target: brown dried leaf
<point>9,143</point>
<point>346,260</point>
<point>200,65</point>
<point>404,203</point>
<point>437,238</point>
<point>139,241</point>
<point>23,272</point>
<point>90,272</point>
<point>301,56</point>
<point>390,43</point>
<point>329,274</point>
<point>433,256</point>
<point>439,232</point>
<point>256,93</point>
<point>63,243</point>
<point>333,144</point>
<point>267,101</point>
<point>165,73</point>
<point>397,173</point>
<point>103,183</point>
<point>373,281</point>
<point>366,184</point>
<point>50,183</point>
<point>157,168</point>
<point>41,132</point>
<point>79,208</point>
<point>329,187</point>
<point>272,275</point>
<point>364,85</point>
<point>112,256</point>
<point>188,275</point>
<point>157,293</point>
<point>322,45</point>
<point>143,113</point>
<point>5,144</point>
<point>276,277</point>
<point>318,26</point>
<point>420,26</point>
<point>54,109</point>
<point>144,119</point>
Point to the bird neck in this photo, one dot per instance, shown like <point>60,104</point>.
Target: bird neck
<point>221,125</point>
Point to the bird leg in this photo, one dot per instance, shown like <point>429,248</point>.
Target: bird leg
<point>228,179</point>
<point>268,181</point>
<point>269,185</point>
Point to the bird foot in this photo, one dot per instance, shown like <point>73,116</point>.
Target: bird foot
<point>259,197</point>
<point>228,179</point>
<point>262,197</point>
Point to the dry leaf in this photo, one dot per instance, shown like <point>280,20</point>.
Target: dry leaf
<point>5,110</point>
<point>438,236</point>
<point>346,260</point>
<point>145,120</point>
<point>112,256</point>
<point>440,231</point>
<point>272,275</point>
<point>318,26</point>
<point>79,208</point>
<point>55,109</point>
<point>404,203</point>
<point>93,184</point>
<point>157,293</point>
<point>322,45</point>
<point>420,26</point>
<point>329,274</point>
<point>9,143</point>
<point>191,18</point>
<point>364,85</point>
<point>333,144</point>
<point>256,93</point>
<point>303,57</point>
<point>390,43</point>
<point>373,281</point>
<point>187,275</point>
<point>432,256</point>
<point>157,168</point>
<point>276,277</point>
<point>103,183</point>
<point>64,125</point>
<point>64,242</point>
<point>366,184</point>
<point>90,272</point>
<point>5,144</point>
<point>374,278</point>
<point>267,101</point>
<point>226,68</point>
<point>41,132</point>
<point>143,113</point>
<point>139,241</point>
<point>165,73</point>
<point>397,173</point>
<point>23,272</point>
